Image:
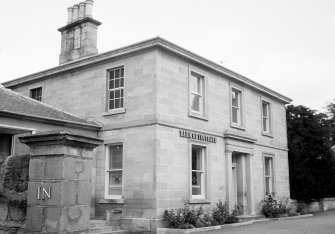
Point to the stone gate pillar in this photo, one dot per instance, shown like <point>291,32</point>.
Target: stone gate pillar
<point>59,188</point>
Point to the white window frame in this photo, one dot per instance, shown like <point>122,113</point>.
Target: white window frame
<point>203,170</point>
<point>240,123</point>
<point>107,171</point>
<point>108,90</point>
<point>268,132</point>
<point>272,172</point>
<point>202,113</point>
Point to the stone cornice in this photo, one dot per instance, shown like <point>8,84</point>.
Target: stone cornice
<point>79,22</point>
<point>61,137</point>
<point>135,48</point>
<point>241,137</point>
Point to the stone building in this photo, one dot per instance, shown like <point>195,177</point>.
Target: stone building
<point>175,125</point>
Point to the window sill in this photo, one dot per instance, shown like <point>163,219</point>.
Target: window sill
<point>237,126</point>
<point>199,201</point>
<point>114,112</point>
<point>111,201</point>
<point>197,115</point>
<point>267,134</point>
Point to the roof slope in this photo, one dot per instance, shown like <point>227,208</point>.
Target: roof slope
<point>17,104</point>
<point>143,45</point>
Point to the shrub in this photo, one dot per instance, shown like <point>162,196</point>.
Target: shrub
<point>220,213</point>
<point>273,208</point>
<point>187,217</point>
<point>184,218</point>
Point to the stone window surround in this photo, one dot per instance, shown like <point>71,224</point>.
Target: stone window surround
<point>111,198</point>
<point>192,113</point>
<point>107,112</point>
<point>272,156</point>
<point>240,126</point>
<point>270,117</point>
<point>204,198</point>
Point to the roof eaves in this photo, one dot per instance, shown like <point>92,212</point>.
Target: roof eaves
<point>52,120</point>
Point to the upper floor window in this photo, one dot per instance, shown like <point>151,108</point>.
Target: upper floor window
<point>197,83</point>
<point>268,174</point>
<point>116,88</point>
<point>236,106</point>
<point>114,169</point>
<point>266,117</point>
<point>36,93</point>
<point>198,172</point>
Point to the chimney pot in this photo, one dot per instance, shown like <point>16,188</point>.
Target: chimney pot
<point>81,10</point>
<point>88,8</point>
<point>69,14</point>
<point>75,12</point>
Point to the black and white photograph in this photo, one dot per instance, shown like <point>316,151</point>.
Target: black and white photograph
<point>167,116</point>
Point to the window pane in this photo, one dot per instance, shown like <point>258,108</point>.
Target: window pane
<point>117,94</point>
<point>117,83</point>
<point>117,103</point>
<point>111,75</point>
<point>267,167</point>
<point>111,84</point>
<point>194,84</point>
<point>235,115</point>
<point>111,104</point>
<point>265,127</point>
<point>117,73</point>
<point>265,109</point>
<point>235,99</point>
<point>268,185</point>
<point>196,159</point>
<point>121,104</point>
<point>121,92</point>
<point>111,95</point>
<point>195,100</point>
<point>196,183</point>
<point>122,82</point>
<point>122,72</point>
<point>115,157</point>
<point>115,183</point>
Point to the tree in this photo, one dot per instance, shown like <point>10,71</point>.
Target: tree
<point>312,168</point>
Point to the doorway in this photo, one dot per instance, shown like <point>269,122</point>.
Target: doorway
<point>239,180</point>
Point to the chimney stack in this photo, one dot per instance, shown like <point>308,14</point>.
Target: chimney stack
<point>79,35</point>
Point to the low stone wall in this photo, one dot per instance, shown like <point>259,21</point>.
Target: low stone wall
<point>317,206</point>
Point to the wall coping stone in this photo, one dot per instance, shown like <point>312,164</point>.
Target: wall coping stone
<point>61,137</point>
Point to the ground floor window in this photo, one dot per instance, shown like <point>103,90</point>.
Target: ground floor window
<point>114,169</point>
<point>198,172</point>
<point>268,174</point>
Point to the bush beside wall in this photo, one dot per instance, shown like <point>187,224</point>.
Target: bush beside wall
<point>13,194</point>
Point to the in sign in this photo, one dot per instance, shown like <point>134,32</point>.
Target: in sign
<point>43,193</point>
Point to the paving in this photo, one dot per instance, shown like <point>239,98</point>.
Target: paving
<point>323,222</point>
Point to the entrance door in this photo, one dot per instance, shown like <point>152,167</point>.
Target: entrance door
<point>239,181</point>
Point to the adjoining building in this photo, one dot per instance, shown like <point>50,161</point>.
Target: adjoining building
<point>175,125</point>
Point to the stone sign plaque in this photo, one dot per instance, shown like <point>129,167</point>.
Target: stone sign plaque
<point>197,136</point>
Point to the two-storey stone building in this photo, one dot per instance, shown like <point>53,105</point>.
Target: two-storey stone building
<point>176,126</point>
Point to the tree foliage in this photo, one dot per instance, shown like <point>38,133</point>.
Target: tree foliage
<point>311,164</point>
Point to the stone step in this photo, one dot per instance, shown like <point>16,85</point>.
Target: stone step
<point>94,223</point>
<point>107,230</point>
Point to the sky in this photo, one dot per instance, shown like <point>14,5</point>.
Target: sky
<point>285,45</point>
